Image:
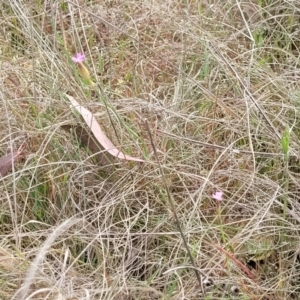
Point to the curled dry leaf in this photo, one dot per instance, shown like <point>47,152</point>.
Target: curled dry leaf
<point>87,139</point>
<point>99,133</point>
<point>6,162</point>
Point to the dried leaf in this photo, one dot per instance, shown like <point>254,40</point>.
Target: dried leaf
<point>98,132</point>
<point>7,160</point>
<point>87,138</point>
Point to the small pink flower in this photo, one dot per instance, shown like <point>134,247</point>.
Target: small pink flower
<point>79,58</point>
<point>218,196</point>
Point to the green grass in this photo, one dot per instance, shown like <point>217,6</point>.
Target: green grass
<point>220,94</point>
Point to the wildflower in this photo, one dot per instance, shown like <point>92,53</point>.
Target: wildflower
<point>218,196</point>
<point>78,59</point>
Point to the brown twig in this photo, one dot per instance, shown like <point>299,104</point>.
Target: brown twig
<point>238,263</point>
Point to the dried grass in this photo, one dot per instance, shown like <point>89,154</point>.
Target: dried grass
<point>218,84</point>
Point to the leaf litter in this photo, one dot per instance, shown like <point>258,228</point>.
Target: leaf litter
<point>99,134</point>
<point>7,161</point>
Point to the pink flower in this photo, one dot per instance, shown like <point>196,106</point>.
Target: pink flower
<point>218,196</point>
<point>79,58</point>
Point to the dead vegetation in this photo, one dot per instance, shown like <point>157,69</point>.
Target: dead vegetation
<point>214,84</point>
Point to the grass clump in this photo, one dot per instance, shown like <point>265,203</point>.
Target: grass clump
<point>207,93</point>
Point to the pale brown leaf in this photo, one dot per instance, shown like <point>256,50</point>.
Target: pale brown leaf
<point>7,160</point>
<point>98,132</point>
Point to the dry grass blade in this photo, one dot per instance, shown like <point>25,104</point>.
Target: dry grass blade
<point>29,279</point>
<point>98,132</point>
<point>245,88</point>
<point>198,273</point>
<point>8,260</point>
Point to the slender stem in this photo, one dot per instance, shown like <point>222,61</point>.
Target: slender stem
<point>198,273</point>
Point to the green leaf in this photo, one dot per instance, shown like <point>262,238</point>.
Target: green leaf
<point>285,142</point>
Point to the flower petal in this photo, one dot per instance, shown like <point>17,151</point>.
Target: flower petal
<point>218,196</point>
<point>78,58</point>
